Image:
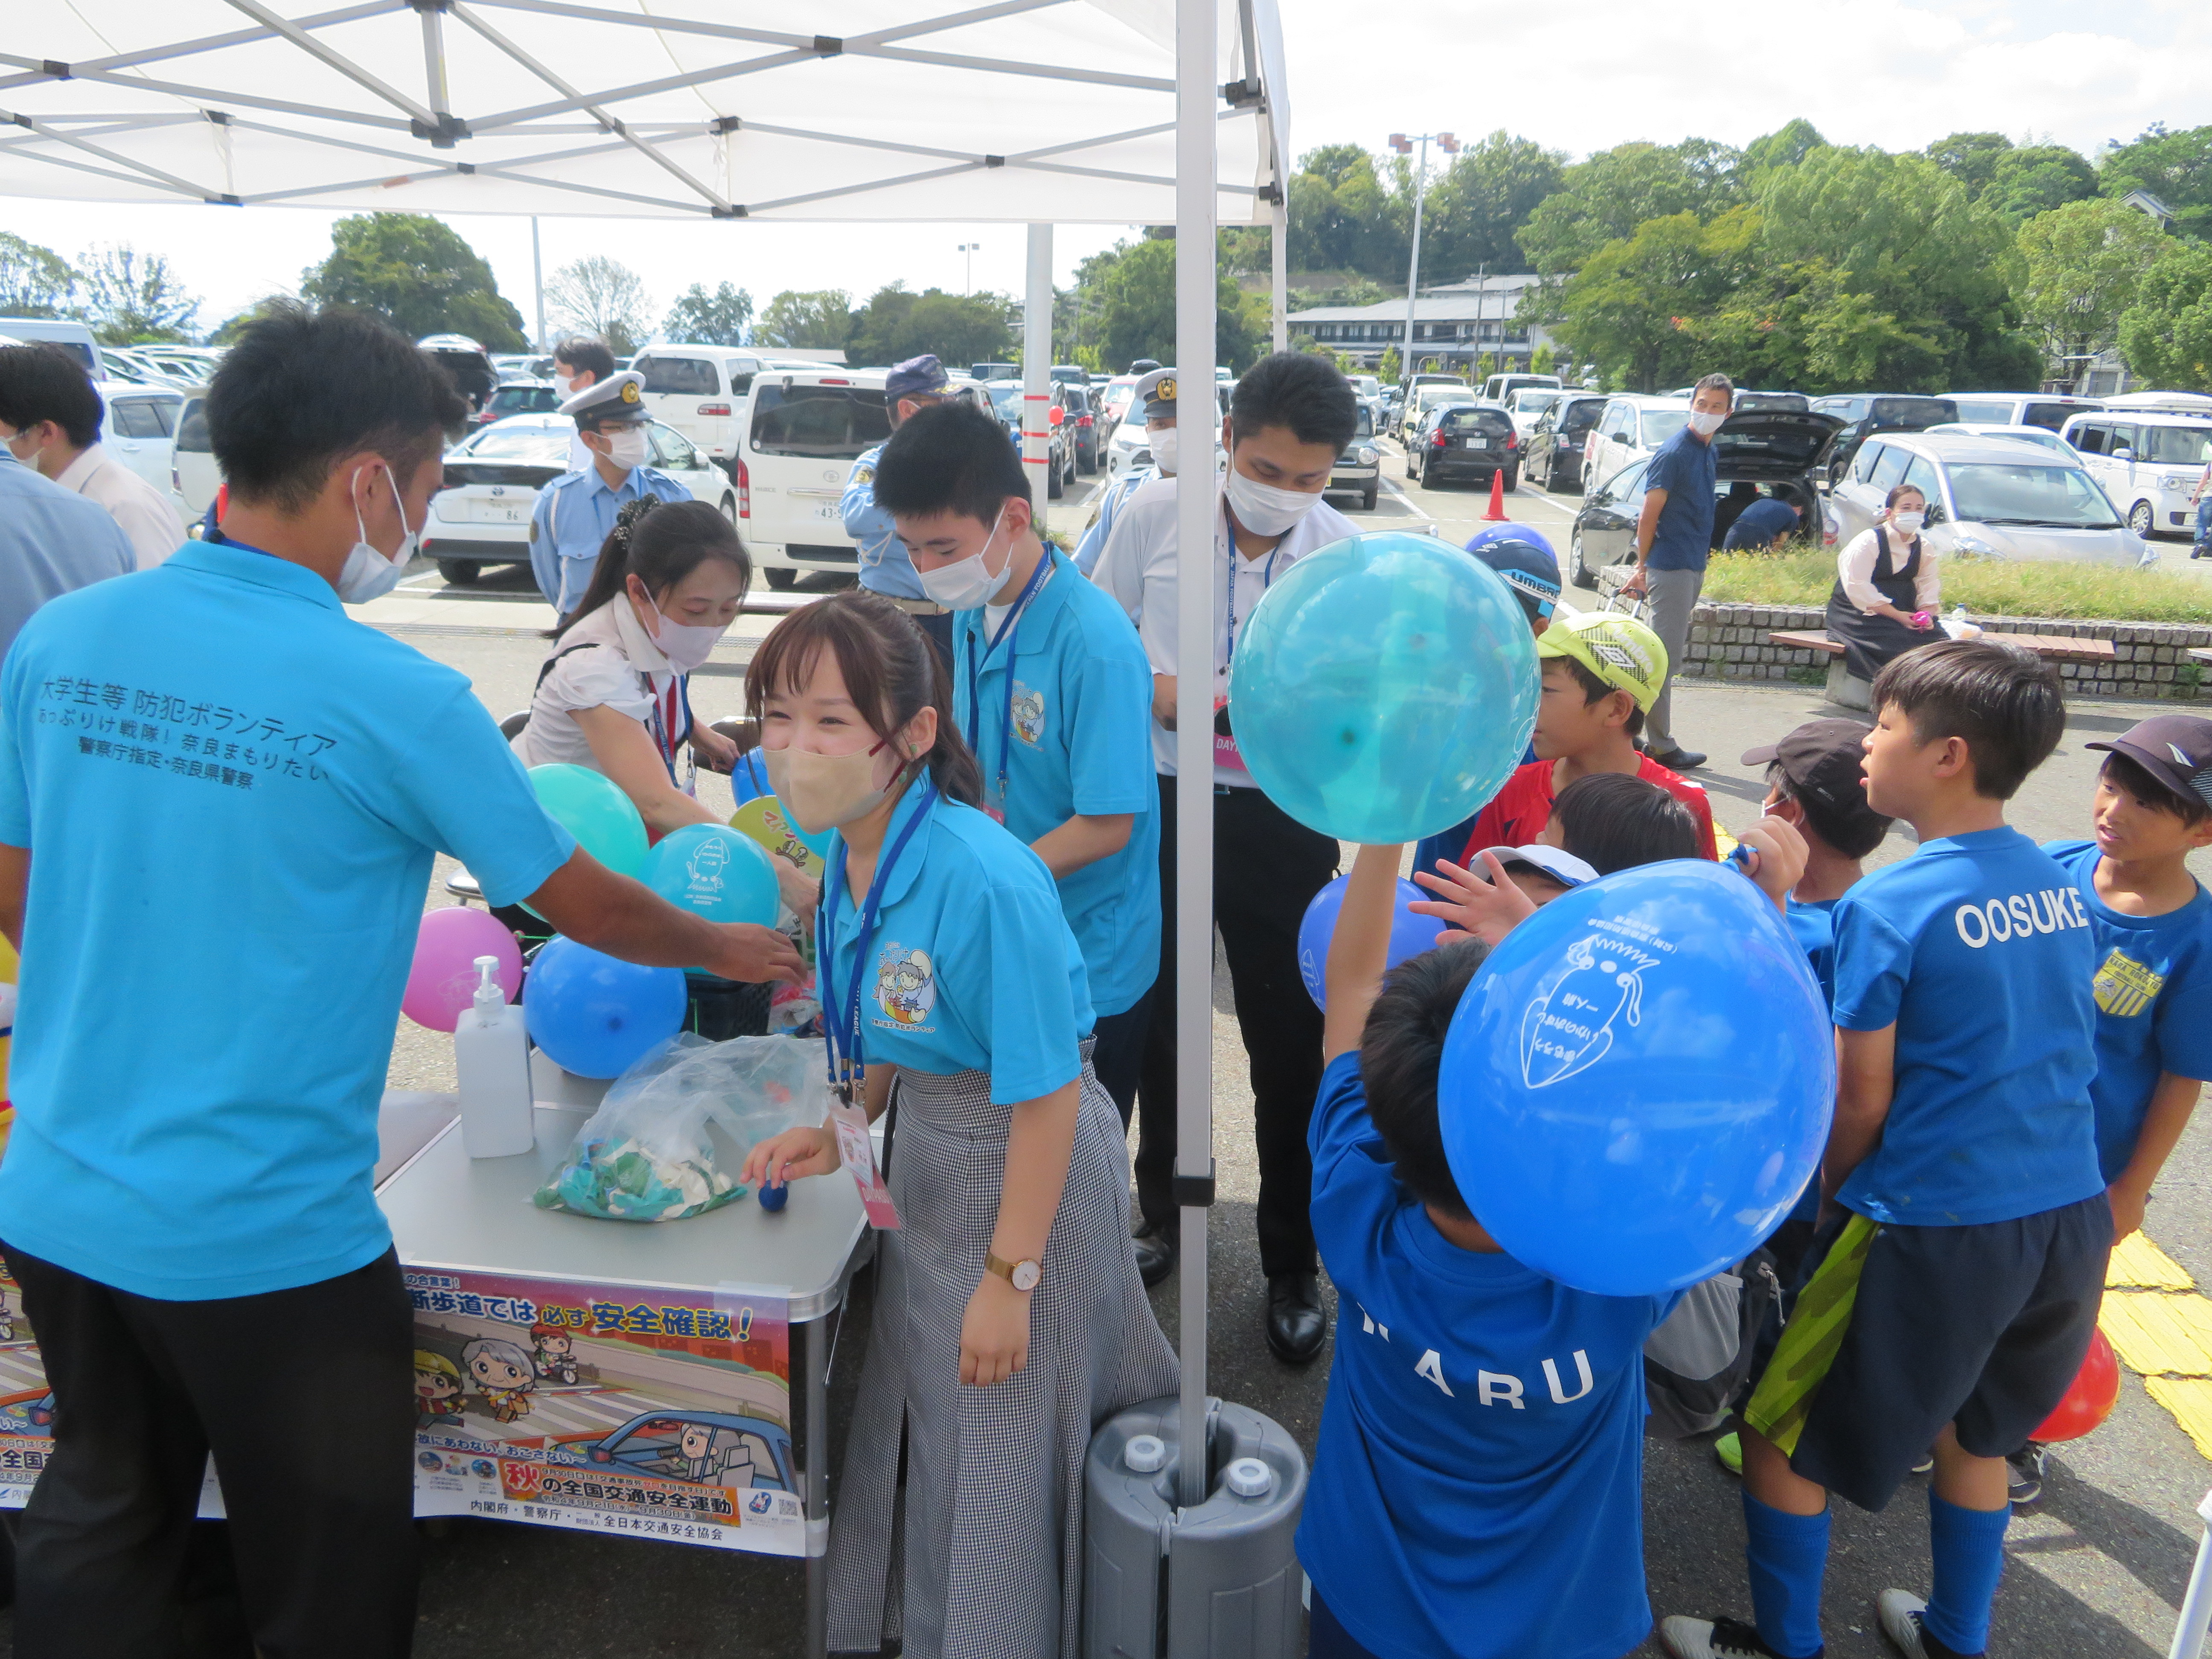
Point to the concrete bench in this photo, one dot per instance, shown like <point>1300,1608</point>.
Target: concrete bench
<point>2199,654</point>
<point>1847,688</point>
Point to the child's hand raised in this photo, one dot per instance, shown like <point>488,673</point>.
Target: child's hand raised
<point>1773,854</point>
<point>1469,906</point>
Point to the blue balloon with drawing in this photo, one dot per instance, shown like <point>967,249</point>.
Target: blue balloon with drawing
<point>1637,1084</point>
<point>1410,934</point>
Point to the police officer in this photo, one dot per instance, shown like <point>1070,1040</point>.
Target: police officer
<point>1154,400</point>
<point>885,567</point>
<point>575,513</point>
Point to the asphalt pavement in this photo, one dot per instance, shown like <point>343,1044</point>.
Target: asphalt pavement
<point>2096,1568</point>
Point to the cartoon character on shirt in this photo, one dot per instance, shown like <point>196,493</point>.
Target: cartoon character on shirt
<point>1569,1027</point>
<point>7,1321</point>
<point>555,1355</point>
<point>503,1374</point>
<point>437,1391</point>
<point>1029,715</point>
<point>905,989</point>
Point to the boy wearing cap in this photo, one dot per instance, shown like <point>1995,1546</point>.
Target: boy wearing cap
<point>885,567</point>
<point>575,514</point>
<point>1602,671</point>
<point>1154,398</point>
<point>1814,779</point>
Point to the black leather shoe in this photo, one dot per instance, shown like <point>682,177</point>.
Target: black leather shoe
<point>1156,1257</point>
<point>1296,1324</point>
<point>1680,760</point>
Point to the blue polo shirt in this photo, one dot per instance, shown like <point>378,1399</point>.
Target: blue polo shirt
<point>1073,733</point>
<point>1683,466</point>
<point>1760,523</point>
<point>572,519</point>
<point>1979,949</point>
<point>1813,926</point>
<point>232,793</point>
<point>1477,1489</point>
<point>2152,986</point>
<point>971,967</point>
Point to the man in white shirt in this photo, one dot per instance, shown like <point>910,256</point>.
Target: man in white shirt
<point>49,419</point>
<point>1288,419</point>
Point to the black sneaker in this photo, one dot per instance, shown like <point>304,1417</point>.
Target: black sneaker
<point>2023,1474</point>
<point>1715,1639</point>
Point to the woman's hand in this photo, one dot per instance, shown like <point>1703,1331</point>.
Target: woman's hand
<point>754,955</point>
<point>716,752</point>
<point>1470,907</point>
<point>994,1333</point>
<point>800,890</point>
<point>794,1152</point>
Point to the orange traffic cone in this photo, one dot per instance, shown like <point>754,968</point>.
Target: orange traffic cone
<point>1497,513</point>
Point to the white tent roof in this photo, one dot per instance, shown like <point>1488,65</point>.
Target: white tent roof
<point>1036,111</point>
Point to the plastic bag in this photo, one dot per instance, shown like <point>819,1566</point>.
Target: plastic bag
<point>645,1154</point>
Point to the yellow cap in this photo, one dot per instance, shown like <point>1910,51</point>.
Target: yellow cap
<point>1620,650</point>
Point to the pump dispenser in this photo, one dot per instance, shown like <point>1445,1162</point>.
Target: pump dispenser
<point>491,1052</point>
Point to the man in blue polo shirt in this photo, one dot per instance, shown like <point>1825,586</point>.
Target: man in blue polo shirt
<point>1053,691</point>
<point>233,792</point>
<point>1672,536</point>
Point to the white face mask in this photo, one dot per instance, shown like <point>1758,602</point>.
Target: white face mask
<point>1165,447</point>
<point>366,574</point>
<point>966,584</point>
<point>1907,524</point>
<point>570,388</point>
<point>1264,509</point>
<point>684,645</point>
<point>1705,423</point>
<point>626,447</point>
<point>821,792</point>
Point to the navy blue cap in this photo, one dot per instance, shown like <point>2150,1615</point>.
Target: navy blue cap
<point>1527,569</point>
<point>922,373</point>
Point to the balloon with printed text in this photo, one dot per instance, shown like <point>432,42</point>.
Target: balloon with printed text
<point>712,870</point>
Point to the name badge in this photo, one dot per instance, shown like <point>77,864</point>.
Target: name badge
<point>1225,753</point>
<point>858,1149</point>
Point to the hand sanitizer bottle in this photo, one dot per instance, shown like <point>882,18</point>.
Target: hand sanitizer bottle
<point>491,1051</point>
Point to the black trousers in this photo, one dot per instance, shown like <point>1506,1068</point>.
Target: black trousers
<point>1117,1052</point>
<point>304,1396</point>
<point>1267,868</point>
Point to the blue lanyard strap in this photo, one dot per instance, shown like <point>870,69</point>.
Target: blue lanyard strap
<point>846,1069</point>
<point>1009,633</point>
<point>1266,582</point>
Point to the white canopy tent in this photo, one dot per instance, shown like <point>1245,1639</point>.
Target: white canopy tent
<point>1033,112</point>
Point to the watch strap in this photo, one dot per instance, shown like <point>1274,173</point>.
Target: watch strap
<point>1011,1271</point>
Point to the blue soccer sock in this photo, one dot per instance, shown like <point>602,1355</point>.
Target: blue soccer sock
<point>1788,1555</point>
<point>1968,1548</point>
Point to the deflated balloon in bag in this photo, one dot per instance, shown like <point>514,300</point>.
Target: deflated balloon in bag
<point>1637,1083</point>
<point>1384,689</point>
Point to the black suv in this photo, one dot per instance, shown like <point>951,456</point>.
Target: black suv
<point>1554,455</point>
<point>1865,413</point>
<point>1080,418</point>
<point>1472,441</point>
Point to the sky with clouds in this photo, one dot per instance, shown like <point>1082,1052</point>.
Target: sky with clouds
<point>1577,78</point>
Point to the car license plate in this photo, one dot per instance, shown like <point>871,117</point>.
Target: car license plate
<point>829,513</point>
<point>1478,443</point>
<point>484,512</point>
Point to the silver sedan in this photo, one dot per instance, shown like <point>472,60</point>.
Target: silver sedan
<point>1989,498</point>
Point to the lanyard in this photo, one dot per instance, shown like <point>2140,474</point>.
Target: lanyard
<point>1267,580</point>
<point>665,734</point>
<point>1009,632</point>
<point>846,1069</point>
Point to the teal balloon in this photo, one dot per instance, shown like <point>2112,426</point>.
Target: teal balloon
<point>1385,687</point>
<point>713,871</point>
<point>592,807</point>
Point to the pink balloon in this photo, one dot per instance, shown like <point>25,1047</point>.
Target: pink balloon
<point>442,983</point>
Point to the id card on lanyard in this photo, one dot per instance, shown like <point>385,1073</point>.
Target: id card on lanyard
<point>841,1018</point>
<point>1225,752</point>
<point>667,735</point>
<point>1010,633</point>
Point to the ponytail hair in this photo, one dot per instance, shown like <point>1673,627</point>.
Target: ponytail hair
<point>891,672</point>
<point>659,543</point>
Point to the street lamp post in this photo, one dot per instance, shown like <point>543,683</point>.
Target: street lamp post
<point>970,249</point>
<point>1404,145</point>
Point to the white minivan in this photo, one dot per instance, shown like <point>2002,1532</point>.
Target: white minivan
<point>2148,464</point>
<point>700,389</point>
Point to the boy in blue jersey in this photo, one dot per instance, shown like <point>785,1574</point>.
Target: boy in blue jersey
<point>1815,781</point>
<point>1954,1281</point>
<point>1477,1489</point>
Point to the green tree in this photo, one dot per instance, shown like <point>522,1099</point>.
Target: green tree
<point>128,296</point>
<point>227,331</point>
<point>1543,361</point>
<point>1339,215</point>
<point>1785,147</point>
<point>600,296</point>
<point>35,281</point>
<point>2167,334</point>
<point>1136,311</point>
<point>699,318</point>
<point>1392,367</point>
<point>1485,365</point>
<point>2035,179</point>
<point>2174,166</point>
<point>2084,262</point>
<point>1635,304</point>
<point>418,275</point>
<point>960,329</point>
<point>819,318</point>
<point>1607,197</point>
<point>1483,198</point>
<point>1970,157</point>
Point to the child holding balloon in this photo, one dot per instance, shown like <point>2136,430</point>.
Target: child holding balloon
<point>1954,1284</point>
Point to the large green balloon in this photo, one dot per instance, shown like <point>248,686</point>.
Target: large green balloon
<point>592,807</point>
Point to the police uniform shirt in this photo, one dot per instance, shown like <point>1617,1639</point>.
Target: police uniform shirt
<point>1110,509</point>
<point>572,519</point>
<point>885,566</point>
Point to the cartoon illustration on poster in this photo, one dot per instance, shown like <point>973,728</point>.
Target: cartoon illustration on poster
<point>26,1404</point>
<point>660,1414</point>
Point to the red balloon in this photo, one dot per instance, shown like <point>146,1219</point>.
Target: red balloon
<point>2095,1390</point>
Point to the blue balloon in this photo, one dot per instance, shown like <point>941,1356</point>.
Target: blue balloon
<point>1410,934</point>
<point>749,778</point>
<point>1637,1084</point>
<point>593,1015</point>
<point>1384,689</point>
<point>715,873</point>
<point>1511,532</point>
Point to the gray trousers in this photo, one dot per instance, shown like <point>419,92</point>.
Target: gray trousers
<point>1673,596</point>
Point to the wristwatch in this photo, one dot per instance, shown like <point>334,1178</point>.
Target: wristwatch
<point>1022,1275</point>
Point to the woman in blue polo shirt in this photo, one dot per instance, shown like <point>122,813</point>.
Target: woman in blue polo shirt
<point>1009,1317</point>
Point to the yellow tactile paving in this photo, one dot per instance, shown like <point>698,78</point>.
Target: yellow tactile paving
<point>2159,1333</point>
<point>2139,1265</point>
<point>2190,1400</point>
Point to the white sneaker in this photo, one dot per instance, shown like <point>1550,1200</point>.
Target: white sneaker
<point>1711,1638</point>
<point>1900,1612</point>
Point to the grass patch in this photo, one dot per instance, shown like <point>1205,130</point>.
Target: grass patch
<point>1987,587</point>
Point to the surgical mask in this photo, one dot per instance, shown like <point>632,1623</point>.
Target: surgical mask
<point>821,791</point>
<point>1264,509</point>
<point>965,584</point>
<point>1164,448</point>
<point>1705,423</point>
<point>1907,523</point>
<point>366,574</point>
<point>570,388</point>
<point>684,645</point>
<point>626,446</point>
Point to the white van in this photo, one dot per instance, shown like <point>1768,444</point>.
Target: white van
<point>700,389</point>
<point>57,331</point>
<point>2047,410</point>
<point>141,430</point>
<point>2157,402</point>
<point>194,476</point>
<point>2148,464</point>
<point>1500,388</point>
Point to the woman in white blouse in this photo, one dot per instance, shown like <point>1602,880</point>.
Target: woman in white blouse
<point>1887,587</point>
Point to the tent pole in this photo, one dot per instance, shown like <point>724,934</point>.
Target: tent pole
<point>1196,94</point>
<point>1036,369</point>
<point>538,283</point>
<point>1279,240</point>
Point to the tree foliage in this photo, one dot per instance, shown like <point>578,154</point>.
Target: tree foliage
<point>600,296</point>
<point>820,318</point>
<point>2167,334</point>
<point>960,329</point>
<point>2174,166</point>
<point>1135,283</point>
<point>126,296</point>
<point>699,318</point>
<point>418,274</point>
<point>2084,262</point>
<point>1605,198</point>
<point>35,281</point>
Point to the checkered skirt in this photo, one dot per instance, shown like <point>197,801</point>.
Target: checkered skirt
<point>981,1556</point>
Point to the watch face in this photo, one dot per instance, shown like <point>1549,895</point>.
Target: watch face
<point>1026,1275</point>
